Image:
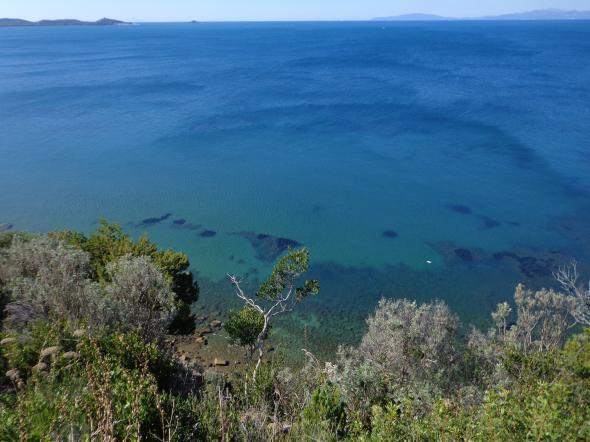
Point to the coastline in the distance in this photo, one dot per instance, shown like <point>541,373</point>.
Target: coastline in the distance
<point>12,22</point>
<point>540,14</point>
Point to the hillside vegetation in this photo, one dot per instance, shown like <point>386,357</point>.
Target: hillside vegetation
<point>84,356</point>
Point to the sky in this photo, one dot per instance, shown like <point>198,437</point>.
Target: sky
<point>238,10</point>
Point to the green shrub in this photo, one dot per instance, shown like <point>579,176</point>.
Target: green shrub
<point>244,326</point>
<point>325,413</point>
<point>109,243</point>
<point>109,385</point>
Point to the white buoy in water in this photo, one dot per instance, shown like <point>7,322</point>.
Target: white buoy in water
<point>428,262</point>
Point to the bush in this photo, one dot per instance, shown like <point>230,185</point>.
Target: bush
<point>141,298</point>
<point>107,388</point>
<point>408,349</point>
<point>48,279</point>
<point>244,326</point>
<point>109,243</point>
<point>325,414</point>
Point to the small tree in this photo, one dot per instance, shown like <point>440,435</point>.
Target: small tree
<point>244,326</point>
<point>277,295</point>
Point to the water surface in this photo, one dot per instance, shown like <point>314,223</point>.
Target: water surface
<point>421,160</point>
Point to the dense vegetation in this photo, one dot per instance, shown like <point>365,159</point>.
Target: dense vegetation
<point>83,356</point>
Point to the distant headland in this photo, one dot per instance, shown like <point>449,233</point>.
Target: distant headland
<point>541,14</point>
<point>11,22</point>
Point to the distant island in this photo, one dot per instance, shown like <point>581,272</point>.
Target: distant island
<point>12,22</point>
<point>541,14</point>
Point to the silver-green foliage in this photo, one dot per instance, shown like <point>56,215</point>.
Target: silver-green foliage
<point>408,349</point>
<point>142,298</point>
<point>48,279</point>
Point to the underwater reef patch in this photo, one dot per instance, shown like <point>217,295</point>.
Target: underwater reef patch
<point>460,208</point>
<point>268,247</point>
<point>456,254</point>
<point>208,233</point>
<point>4,227</point>
<point>533,264</point>
<point>489,223</point>
<point>530,266</point>
<point>389,234</point>
<point>183,224</point>
<point>149,222</point>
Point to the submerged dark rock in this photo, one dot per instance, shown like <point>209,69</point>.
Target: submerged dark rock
<point>464,254</point>
<point>489,223</point>
<point>4,227</point>
<point>456,254</point>
<point>148,222</point>
<point>285,243</point>
<point>268,247</point>
<point>208,233</point>
<point>530,266</point>
<point>183,224</point>
<point>460,208</point>
<point>501,255</point>
<point>389,234</point>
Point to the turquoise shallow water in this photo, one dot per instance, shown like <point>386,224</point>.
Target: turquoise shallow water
<point>470,141</point>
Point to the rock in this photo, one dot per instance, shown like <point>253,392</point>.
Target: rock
<point>204,331</point>
<point>49,351</point>
<point>5,227</point>
<point>268,247</point>
<point>148,222</point>
<point>207,233</point>
<point>202,340</point>
<point>79,333</point>
<point>215,324</point>
<point>460,208</point>
<point>530,266</point>
<point>218,362</point>
<point>183,224</point>
<point>389,234</point>
<point>71,355</point>
<point>13,375</point>
<point>489,223</point>
<point>41,366</point>
<point>7,341</point>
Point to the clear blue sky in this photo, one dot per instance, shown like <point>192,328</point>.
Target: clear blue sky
<point>181,10</point>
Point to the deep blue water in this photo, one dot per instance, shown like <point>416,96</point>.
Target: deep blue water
<point>468,144</point>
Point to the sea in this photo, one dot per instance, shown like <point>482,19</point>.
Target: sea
<point>418,160</point>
